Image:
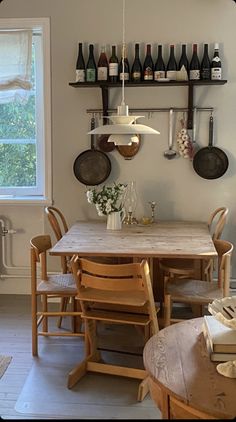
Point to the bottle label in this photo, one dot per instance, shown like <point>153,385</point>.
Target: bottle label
<point>91,75</point>
<point>124,76</point>
<point>216,73</point>
<point>171,74</point>
<point>148,74</point>
<point>216,59</point>
<point>80,75</point>
<point>159,74</point>
<point>205,73</point>
<point>136,76</point>
<point>102,73</point>
<point>194,74</point>
<point>113,69</point>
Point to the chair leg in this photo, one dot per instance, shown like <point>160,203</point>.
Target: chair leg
<point>167,310</point>
<point>77,320</point>
<point>34,325</point>
<point>45,308</point>
<point>143,389</point>
<point>64,303</point>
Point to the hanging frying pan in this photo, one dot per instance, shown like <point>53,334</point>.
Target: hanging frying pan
<point>210,162</point>
<point>129,151</point>
<point>92,167</point>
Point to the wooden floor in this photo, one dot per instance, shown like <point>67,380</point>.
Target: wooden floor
<point>15,340</point>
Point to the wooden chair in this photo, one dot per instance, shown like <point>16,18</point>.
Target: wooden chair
<point>186,267</point>
<point>118,293</point>
<point>59,226</point>
<point>48,286</point>
<point>199,292</point>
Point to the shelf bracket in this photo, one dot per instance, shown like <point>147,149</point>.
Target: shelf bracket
<point>105,99</point>
<point>190,106</point>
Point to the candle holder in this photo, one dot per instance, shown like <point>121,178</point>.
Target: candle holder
<point>130,219</point>
<point>153,205</point>
<point>130,203</point>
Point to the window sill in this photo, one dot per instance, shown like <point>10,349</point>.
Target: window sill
<point>26,200</point>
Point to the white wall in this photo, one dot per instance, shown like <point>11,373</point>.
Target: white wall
<point>178,190</point>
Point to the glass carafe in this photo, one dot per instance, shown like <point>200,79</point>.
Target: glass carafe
<point>130,203</point>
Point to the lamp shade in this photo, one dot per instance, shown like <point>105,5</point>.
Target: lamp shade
<point>123,129</point>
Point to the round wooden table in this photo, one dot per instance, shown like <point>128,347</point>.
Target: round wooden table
<point>184,382</point>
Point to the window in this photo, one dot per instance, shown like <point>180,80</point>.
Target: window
<point>25,142</point>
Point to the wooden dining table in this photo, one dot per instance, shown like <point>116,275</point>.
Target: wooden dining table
<point>163,239</point>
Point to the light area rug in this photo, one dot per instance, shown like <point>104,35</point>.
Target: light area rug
<point>95,396</point>
<point>4,362</point>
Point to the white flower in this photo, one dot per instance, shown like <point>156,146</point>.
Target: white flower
<point>107,199</point>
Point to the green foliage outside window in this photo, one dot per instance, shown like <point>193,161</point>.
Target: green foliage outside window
<point>17,161</point>
<point>17,122</point>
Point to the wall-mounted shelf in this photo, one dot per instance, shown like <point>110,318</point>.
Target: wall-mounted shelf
<point>128,84</point>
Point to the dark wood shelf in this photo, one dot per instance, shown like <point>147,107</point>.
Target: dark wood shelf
<point>105,86</point>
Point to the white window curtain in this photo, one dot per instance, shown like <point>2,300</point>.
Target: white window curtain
<point>15,64</point>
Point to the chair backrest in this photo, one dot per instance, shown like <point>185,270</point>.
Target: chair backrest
<point>217,222</point>
<point>57,221</point>
<point>39,247</point>
<point>116,284</point>
<point>59,226</point>
<point>224,250</point>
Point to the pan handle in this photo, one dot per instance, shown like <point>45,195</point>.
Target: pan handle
<point>92,125</point>
<point>210,131</point>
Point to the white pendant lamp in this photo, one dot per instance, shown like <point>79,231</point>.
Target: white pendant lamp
<point>124,129</point>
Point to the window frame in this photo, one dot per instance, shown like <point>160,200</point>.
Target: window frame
<point>40,27</point>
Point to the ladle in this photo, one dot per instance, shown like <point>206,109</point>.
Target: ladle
<point>194,143</point>
<point>170,153</point>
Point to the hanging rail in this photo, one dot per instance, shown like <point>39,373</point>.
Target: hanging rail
<point>149,110</point>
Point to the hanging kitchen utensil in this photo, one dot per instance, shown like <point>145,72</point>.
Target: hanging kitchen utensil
<point>210,162</point>
<point>92,167</point>
<point>195,145</point>
<point>170,153</point>
<point>129,151</point>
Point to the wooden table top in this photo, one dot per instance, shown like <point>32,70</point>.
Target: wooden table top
<point>178,360</point>
<point>163,239</point>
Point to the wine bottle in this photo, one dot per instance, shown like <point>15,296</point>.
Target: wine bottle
<point>148,65</point>
<point>136,70</point>
<point>205,64</point>
<point>80,65</point>
<point>124,73</point>
<point>171,68</point>
<point>113,65</point>
<point>216,64</point>
<point>91,68</point>
<point>159,68</point>
<point>102,65</point>
<point>194,72</point>
<point>183,66</point>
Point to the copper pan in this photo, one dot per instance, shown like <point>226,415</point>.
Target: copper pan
<point>129,151</point>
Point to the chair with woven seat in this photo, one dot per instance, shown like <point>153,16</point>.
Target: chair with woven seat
<point>46,287</point>
<point>199,292</point>
<point>59,226</point>
<point>186,267</point>
<point>112,294</point>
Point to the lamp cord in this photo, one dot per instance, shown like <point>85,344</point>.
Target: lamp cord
<point>123,48</point>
